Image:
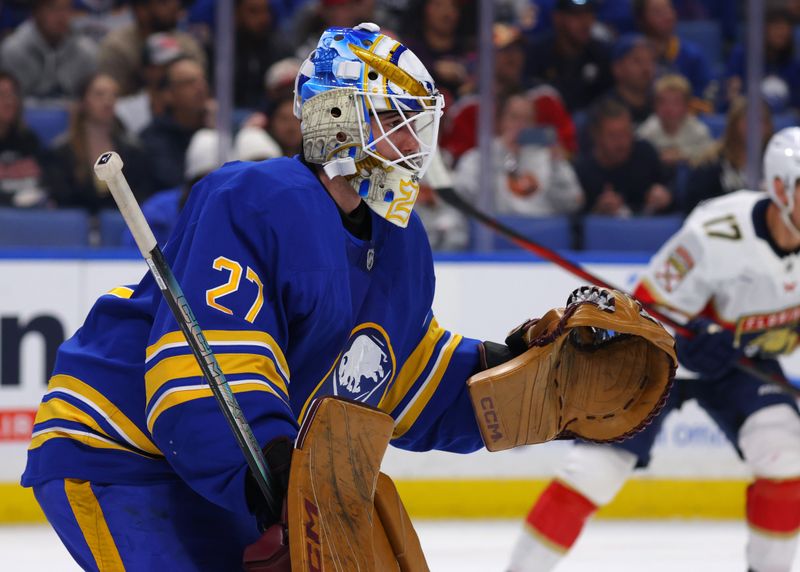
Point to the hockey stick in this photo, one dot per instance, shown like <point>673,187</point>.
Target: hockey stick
<point>449,195</point>
<point>109,169</point>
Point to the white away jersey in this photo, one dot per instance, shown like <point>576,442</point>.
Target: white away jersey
<point>724,264</point>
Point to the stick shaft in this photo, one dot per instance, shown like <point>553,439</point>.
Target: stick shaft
<point>173,294</point>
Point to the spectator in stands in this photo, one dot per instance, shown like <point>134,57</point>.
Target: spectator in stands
<point>162,209</point>
<point>673,130</point>
<point>569,58</point>
<point>443,39</point>
<point>93,130</point>
<point>49,60</point>
<point>447,229</point>
<point>722,169</point>
<point>258,45</point>
<point>657,20</point>
<point>20,152</point>
<point>278,85</point>
<point>723,12</point>
<point>187,108</point>
<point>318,15</point>
<point>12,14</point>
<point>279,79</point>
<point>284,127</point>
<point>280,138</point>
<point>532,177</point>
<point>137,111</point>
<point>121,50</point>
<point>96,18</point>
<point>613,18</point>
<point>634,71</point>
<point>781,84</point>
<point>253,144</point>
<point>459,128</point>
<point>620,175</point>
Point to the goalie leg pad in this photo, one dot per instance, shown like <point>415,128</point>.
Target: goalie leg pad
<point>333,522</point>
<point>397,527</point>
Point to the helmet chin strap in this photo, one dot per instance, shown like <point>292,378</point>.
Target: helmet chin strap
<point>344,166</point>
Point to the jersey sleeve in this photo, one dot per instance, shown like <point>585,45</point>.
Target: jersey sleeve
<point>678,276</point>
<point>223,261</point>
<point>429,400</point>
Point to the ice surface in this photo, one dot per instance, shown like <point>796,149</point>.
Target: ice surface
<point>472,546</point>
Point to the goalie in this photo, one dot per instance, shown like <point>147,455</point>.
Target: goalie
<point>311,277</point>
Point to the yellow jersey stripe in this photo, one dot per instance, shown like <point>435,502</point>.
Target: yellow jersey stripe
<point>93,525</point>
<point>57,408</point>
<point>183,366</point>
<point>411,413</point>
<point>222,338</point>
<point>39,438</point>
<point>178,395</point>
<point>120,292</point>
<point>97,401</point>
<point>412,368</point>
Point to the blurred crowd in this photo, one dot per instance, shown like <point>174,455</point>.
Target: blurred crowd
<point>621,108</point>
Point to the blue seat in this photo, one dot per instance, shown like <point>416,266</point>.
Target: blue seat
<point>635,234</point>
<point>112,226</point>
<point>552,232</point>
<point>707,34</point>
<point>784,120</point>
<point>42,227</point>
<point>47,122</point>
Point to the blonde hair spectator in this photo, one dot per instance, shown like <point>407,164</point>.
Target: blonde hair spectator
<point>672,129</point>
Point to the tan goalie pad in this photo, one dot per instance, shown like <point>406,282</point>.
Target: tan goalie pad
<point>398,528</point>
<point>334,524</point>
<point>576,378</point>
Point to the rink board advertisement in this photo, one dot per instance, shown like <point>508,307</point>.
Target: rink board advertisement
<point>44,300</point>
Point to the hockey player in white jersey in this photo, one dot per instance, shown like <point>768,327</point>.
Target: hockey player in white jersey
<point>735,262</point>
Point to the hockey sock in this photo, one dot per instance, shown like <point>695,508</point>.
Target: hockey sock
<point>773,516</point>
<point>551,528</point>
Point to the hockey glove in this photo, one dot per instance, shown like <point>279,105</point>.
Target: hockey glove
<point>711,351</point>
<point>278,454</point>
<point>598,369</point>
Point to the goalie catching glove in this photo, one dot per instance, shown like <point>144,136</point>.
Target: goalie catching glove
<point>598,369</point>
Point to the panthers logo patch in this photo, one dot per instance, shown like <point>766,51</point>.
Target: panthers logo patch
<point>366,365</point>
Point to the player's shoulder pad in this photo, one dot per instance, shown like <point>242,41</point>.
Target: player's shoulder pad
<point>732,211</point>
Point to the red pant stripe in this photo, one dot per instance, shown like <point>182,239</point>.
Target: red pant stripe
<point>774,506</point>
<point>560,513</point>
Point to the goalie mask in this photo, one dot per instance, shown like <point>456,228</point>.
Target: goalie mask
<point>369,111</point>
<point>782,161</point>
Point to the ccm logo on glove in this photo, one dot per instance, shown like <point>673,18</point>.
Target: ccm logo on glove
<point>490,419</point>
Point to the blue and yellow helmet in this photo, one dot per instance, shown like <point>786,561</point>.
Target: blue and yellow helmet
<point>369,111</point>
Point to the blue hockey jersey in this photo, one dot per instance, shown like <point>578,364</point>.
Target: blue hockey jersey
<point>294,306</point>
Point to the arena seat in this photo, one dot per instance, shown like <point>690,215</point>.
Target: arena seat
<point>47,122</point>
<point>707,34</point>
<point>784,120</point>
<point>111,226</point>
<point>552,232</point>
<point>635,234</point>
<point>43,227</point>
